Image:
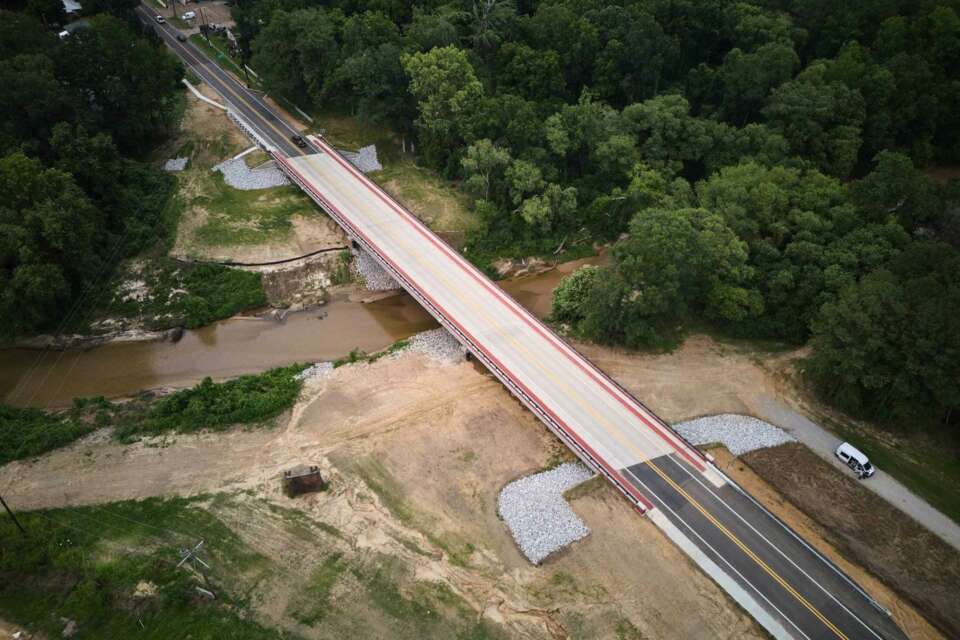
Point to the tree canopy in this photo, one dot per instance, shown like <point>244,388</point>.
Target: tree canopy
<point>74,115</point>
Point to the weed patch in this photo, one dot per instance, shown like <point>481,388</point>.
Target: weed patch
<point>86,563</point>
<point>209,405</point>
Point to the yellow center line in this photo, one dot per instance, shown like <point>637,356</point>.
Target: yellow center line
<point>608,427</point>
<point>763,565</point>
<point>226,85</point>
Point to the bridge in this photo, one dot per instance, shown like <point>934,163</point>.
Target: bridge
<point>791,589</point>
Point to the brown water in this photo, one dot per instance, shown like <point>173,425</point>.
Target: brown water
<point>233,347</point>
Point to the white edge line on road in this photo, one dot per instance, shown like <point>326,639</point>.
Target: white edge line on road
<point>723,580</point>
<point>770,543</point>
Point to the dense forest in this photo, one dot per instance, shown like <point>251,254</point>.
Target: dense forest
<point>762,166</point>
<point>78,119</point>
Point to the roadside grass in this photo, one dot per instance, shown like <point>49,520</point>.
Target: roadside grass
<point>167,293</point>
<point>927,467</point>
<point>351,132</point>
<point>219,51</point>
<point>236,216</point>
<point>250,399</point>
<point>436,201</point>
<point>255,158</point>
<point>86,563</point>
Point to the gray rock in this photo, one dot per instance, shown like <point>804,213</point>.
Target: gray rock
<point>537,514</point>
<point>439,345</point>
<point>238,175</point>
<point>737,433</point>
<point>175,164</point>
<point>365,159</point>
<point>373,274</point>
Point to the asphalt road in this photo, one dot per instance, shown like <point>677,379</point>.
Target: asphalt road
<point>772,573</point>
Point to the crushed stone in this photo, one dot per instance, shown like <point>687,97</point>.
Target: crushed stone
<point>365,159</point>
<point>739,434</point>
<point>537,514</point>
<point>438,345</point>
<point>238,175</point>
<point>375,276</point>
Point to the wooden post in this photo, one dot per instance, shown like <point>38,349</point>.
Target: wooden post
<point>12,517</point>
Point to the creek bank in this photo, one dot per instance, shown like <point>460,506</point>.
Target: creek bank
<point>64,342</point>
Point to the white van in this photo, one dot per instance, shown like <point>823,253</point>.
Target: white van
<point>189,15</point>
<point>854,458</point>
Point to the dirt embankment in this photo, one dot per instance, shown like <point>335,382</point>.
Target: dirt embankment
<point>865,528</point>
<point>416,454</point>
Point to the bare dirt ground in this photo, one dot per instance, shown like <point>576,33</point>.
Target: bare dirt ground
<point>415,455</point>
<point>923,568</point>
<point>702,377</point>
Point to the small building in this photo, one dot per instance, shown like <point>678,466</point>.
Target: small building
<point>71,8</point>
<point>302,479</point>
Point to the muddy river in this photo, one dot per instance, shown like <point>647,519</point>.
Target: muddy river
<point>233,347</point>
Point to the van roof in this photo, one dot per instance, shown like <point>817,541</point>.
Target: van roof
<point>854,453</point>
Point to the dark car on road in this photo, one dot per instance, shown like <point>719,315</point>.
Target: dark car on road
<point>181,37</point>
<point>299,141</point>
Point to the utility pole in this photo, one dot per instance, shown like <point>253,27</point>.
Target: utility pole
<point>12,517</point>
<point>188,556</point>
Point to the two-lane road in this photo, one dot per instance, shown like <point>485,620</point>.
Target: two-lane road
<point>770,571</point>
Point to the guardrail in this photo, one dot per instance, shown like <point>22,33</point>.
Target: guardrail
<point>597,465</point>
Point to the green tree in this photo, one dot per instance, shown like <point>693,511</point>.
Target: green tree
<point>132,82</point>
<point>483,163</point>
<point>49,243</point>
<point>805,239</point>
<point>536,75</point>
<point>748,78</point>
<point>551,208</point>
<point>669,136</point>
<point>297,51</point>
<point>889,347</point>
<point>822,120</point>
<point>674,262</point>
<point>446,89</point>
<point>895,188</point>
<point>571,294</point>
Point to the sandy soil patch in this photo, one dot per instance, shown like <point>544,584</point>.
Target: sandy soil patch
<point>701,377</point>
<point>415,455</point>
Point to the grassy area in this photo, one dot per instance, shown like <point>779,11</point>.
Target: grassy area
<point>350,132</point>
<point>435,201</point>
<point>25,433</point>
<point>928,468</point>
<point>255,158</point>
<point>164,293</point>
<point>235,216</point>
<point>112,569</point>
<point>248,399</point>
